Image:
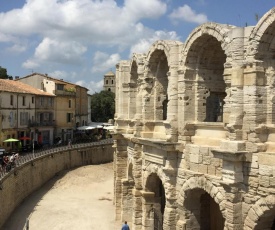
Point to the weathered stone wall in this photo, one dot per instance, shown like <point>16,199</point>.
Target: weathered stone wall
<point>25,179</point>
<point>199,152</point>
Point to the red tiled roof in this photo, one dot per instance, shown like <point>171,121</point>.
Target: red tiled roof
<point>19,87</point>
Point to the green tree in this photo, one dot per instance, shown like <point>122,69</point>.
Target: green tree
<point>3,73</point>
<point>102,106</point>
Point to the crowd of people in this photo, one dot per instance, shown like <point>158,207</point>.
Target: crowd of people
<point>7,162</point>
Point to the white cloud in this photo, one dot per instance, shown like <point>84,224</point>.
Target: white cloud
<point>185,13</point>
<point>94,87</point>
<point>59,74</point>
<point>103,62</point>
<point>143,45</point>
<point>17,48</point>
<point>30,64</point>
<point>59,51</point>
<point>82,20</point>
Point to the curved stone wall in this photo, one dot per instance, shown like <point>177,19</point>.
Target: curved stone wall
<point>28,177</point>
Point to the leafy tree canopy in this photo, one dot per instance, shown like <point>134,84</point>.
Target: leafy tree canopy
<point>102,106</point>
<point>3,73</point>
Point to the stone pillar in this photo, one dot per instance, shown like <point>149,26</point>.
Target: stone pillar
<point>120,171</point>
<point>137,210</point>
<point>233,156</point>
<point>137,196</point>
<point>172,110</point>
<point>127,200</point>
<point>170,171</point>
<point>148,200</point>
<point>255,98</point>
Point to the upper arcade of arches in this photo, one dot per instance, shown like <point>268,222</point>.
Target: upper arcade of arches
<point>262,39</point>
<point>213,34</point>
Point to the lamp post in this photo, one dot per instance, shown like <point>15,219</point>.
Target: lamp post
<point>33,148</point>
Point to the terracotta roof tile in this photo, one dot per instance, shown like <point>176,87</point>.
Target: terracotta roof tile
<point>19,87</point>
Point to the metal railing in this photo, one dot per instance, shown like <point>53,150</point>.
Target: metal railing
<point>30,156</point>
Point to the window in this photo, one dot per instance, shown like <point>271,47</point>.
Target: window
<point>69,117</point>
<point>50,101</point>
<point>112,82</point>
<point>41,101</point>
<point>70,103</point>
<point>24,100</point>
<point>59,87</point>
<point>11,100</point>
<point>32,100</point>
<point>106,82</point>
<point>24,117</point>
<point>109,89</point>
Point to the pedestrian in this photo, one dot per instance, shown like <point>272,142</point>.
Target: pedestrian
<point>125,226</point>
<point>70,143</point>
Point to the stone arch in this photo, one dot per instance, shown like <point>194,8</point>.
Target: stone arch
<point>133,87</point>
<point>207,187</point>
<point>261,35</point>
<point>262,214</point>
<point>156,74</point>
<point>203,59</point>
<point>261,59</point>
<point>153,174</point>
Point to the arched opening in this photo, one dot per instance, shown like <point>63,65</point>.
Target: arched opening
<point>159,68</point>
<point>266,221</point>
<point>154,184</point>
<point>106,82</point>
<point>266,91</point>
<point>204,79</point>
<point>202,212</point>
<point>109,89</point>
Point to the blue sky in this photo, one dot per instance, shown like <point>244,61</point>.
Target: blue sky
<point>81,40</point>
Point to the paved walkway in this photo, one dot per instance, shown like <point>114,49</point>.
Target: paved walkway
<point>78,199</point>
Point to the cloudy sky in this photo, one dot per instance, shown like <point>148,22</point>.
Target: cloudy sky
<point>81,40</point>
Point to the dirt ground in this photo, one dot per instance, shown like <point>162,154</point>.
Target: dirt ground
<point>78,199</point>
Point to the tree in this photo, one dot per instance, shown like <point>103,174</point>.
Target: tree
<point>3,73</point>
<point>102,106</point>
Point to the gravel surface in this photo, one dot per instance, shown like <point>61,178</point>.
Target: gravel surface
<point>78,199</point>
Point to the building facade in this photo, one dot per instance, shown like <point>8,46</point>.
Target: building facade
<point>23,116</point>
<point>71,103</point>
<point>195,126</point>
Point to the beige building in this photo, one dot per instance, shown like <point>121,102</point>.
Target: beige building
<point>20,113</point>
<point>109,82</point>
<point>194,139</point>
<point>71,102</point>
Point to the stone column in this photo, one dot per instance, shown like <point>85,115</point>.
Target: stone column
<point>254,103</point>
<point>233,156</point>
<point>170,171</point>
<point>137,210</point>
<point>137,196</point>
<point>148,200</point>
<point>120,171</point>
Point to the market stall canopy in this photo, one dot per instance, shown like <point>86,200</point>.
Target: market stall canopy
<point>111,127</point>
<point>86,127</point>
<point>24,138</point>
<point>11,140</point>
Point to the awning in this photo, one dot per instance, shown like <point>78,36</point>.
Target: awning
<point>111,127</point>
<point>86,127</point>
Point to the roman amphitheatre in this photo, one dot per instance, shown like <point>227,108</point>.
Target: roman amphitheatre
<point>194,143</point>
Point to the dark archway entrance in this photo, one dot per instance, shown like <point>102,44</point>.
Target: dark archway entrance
<point>202,212</point>
<point>154,184</point>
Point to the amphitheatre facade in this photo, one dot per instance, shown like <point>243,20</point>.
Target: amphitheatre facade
<point>195,131</point>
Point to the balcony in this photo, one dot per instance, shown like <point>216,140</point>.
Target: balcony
<point>64,93</point>
<point>43,123</point>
